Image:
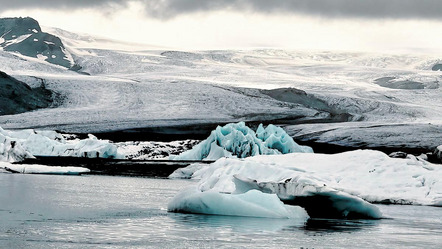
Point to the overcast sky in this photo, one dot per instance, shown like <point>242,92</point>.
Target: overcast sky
<point>366,25</point>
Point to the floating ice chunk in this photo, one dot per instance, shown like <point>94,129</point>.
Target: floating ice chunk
<point>41,169</point>
<point>40,145</point>
<point>250,204</point>
<point>319,201</point>
<point>29,143</point>
<point>238,140</point>
<point>341,184</point>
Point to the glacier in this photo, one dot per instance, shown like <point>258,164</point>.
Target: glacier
<point>337,185</point>
<point>127,89</point>
<point>238,140</point>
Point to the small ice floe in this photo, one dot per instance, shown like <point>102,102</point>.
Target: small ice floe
<point>41,169</point>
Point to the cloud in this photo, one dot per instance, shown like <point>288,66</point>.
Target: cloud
<point>404,9</point>
<point>164,9</point>
<point>60,4</point>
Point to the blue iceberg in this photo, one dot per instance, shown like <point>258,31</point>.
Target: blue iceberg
<point>238,140</point>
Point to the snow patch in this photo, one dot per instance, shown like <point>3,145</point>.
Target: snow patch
<point>41,57</point>
<point>17,39</point>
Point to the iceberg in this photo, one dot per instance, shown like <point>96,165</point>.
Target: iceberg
<point>253,203</point>
<point>15,146</point>
<point>238,140</point>
<point>339,185</point>
<point>29,143</point>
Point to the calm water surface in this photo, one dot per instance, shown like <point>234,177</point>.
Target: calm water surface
<point>40,211</point>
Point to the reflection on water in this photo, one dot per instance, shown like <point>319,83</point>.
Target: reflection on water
<point>122,212</point>
<point>334,225</point>
<point>237,224</point>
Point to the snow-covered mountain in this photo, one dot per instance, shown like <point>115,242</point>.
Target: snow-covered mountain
<point>25,36</point>
<point>123,86</point>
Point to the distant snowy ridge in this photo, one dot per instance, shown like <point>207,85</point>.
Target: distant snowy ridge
<point>345,183</point>
<point>238,140</point>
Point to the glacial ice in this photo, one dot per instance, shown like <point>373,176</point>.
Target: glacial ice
<point>253,203</point>
<point>18,145</point>
<point>41,169</point>
<point>10,150</point>
<point>345,182</point>
<point>238,140</point>
<point>29,143</point>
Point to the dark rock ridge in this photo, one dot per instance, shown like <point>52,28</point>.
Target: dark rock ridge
<point>403,84</point>
<point>296,96</point>
<point>437,67</point>
<point>24,36</point>
<point>17,97</point>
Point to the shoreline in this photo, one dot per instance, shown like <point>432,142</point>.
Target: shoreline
<point>202,131</point>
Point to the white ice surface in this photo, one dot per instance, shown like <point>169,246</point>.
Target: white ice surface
<point>367,174</point>
<point>41,169</point>
<point>238,140</point>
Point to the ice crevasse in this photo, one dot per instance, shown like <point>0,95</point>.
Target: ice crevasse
<point>238,140</point>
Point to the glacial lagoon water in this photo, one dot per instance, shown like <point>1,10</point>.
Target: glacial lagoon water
<point>42,211</point>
